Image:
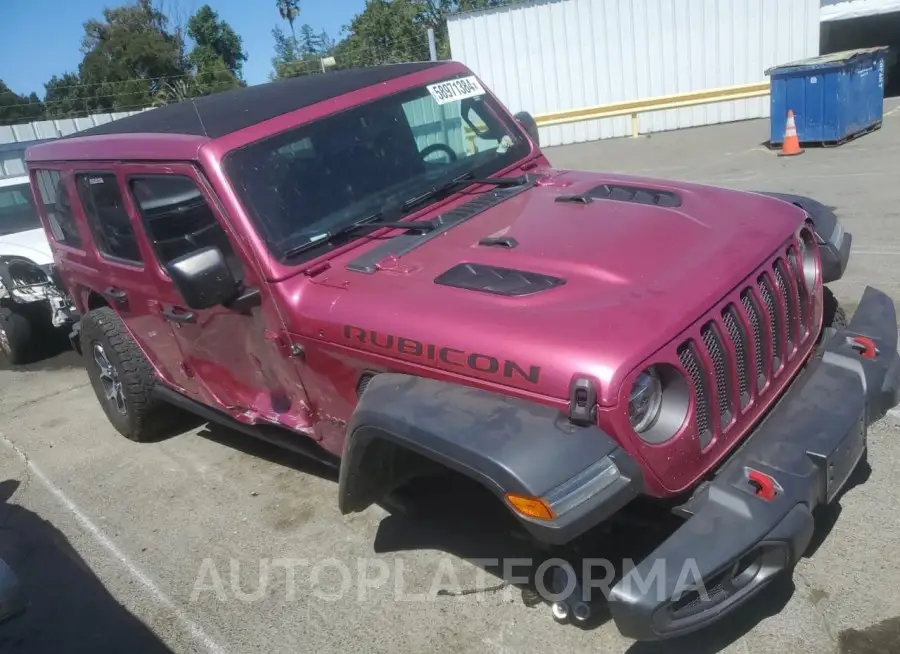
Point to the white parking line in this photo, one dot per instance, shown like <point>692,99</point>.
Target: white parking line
<point>186,622</point>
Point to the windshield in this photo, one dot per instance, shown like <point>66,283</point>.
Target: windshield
<point>302,184</point>
<point>17,212</point>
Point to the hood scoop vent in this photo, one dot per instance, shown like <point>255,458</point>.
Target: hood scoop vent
<point>502,242</point>
<point>499,281</point>
<point>624,193</point>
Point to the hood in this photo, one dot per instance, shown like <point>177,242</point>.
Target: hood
<point>607,282</point>
<point>31,244</point>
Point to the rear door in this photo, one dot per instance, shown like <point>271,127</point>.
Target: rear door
<point>233,355</point>
<point>121,273</point>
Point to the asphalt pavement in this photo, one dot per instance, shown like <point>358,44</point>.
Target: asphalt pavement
<point>212,542</point>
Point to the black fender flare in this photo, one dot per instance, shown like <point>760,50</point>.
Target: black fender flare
<point>834,241</point>
<point>507,444</point>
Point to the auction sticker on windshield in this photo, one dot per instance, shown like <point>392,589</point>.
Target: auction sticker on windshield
<point>456,89</point>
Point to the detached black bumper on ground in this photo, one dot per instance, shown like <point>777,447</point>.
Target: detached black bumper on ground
<point>754,519</point>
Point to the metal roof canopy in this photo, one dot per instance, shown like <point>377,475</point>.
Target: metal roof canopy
<point>833,10</point>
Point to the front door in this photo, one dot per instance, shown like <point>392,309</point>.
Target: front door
<point>231,354</point>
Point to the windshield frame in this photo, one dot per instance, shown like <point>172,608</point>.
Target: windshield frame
<point>25,188</point>
<point>521,151</point>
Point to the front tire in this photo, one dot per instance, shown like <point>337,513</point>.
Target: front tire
<point>833,314</point>
<point>15,337</point>
<point>121,376</point>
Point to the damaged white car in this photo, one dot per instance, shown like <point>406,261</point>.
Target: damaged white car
<point>34,305</point>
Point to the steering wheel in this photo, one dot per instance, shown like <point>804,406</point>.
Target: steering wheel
<point>439,147</point>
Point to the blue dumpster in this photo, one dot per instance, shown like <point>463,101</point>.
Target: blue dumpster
<point>834,97</point>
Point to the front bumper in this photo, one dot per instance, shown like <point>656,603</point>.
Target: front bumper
<point>754,519</point>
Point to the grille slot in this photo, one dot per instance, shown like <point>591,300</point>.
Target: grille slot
<point>765,290</point>
<point>717,355</point>
<point>691,364</point>
<point>752,312</point>
<point>803,294</point>
<point>789,302</point>
<point>739,341</point>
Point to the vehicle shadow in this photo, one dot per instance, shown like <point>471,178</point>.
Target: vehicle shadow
<point>55,353</point>
<point>458,517</point>
<point>267,451</point>
<point>68,609</point>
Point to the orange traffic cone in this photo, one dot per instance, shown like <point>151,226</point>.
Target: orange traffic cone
<point>791,145</point>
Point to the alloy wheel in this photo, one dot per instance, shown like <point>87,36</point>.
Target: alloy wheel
<point>109,378</point>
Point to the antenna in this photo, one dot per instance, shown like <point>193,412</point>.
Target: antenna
<point>197,111</point>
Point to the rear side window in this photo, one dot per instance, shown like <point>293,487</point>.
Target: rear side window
<point>107,217</point>
<point>178,219</point>
<point>58,207</point>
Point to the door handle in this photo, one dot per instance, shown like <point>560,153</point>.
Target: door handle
<point>173,315</point>
<point>115,294</point>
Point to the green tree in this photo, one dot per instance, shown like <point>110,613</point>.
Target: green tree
<point>129,56</point>
<point>134,58</point>
<point>309,42</point>
<point>326,43</point>
<point>386,31</point>
<point>18,108</point>
<point>215,38</point>
<point>67,95</point>
<point>287,60</point>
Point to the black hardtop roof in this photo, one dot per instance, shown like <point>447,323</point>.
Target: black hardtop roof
<point>222,113</point>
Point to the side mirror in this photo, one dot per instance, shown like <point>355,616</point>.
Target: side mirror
<point>527,121</point>
<point>203,278</point>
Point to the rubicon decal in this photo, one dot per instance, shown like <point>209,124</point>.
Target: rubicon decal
<point>474,361</point>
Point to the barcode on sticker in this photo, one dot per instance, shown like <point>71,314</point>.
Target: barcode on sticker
<point>456,89</point>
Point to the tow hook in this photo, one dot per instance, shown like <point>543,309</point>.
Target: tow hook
<point>865,346</point>
<point>764,486</point>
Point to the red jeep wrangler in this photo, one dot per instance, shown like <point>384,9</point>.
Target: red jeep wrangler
<point>382,263</point>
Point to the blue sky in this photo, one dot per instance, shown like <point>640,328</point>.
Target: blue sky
<point>40,39</point>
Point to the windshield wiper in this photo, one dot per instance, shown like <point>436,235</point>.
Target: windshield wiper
<point>464,180</point>
<point>397,209</point>
<point>368,223</point>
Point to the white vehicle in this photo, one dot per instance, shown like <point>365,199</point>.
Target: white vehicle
<point>34,305</point>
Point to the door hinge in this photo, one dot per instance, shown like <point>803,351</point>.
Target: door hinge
<point>282,342</point>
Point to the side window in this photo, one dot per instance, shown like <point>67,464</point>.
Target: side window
<point>178,219</point>
<point>107,217</point>
<point>58,207</point>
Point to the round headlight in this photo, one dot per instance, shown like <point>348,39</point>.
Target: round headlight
<point>645,401</point>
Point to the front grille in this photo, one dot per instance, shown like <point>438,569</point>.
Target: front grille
<point>747,344</point>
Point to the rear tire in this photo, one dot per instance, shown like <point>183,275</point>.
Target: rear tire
<point>15,337</point>
<point>122,378</point>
